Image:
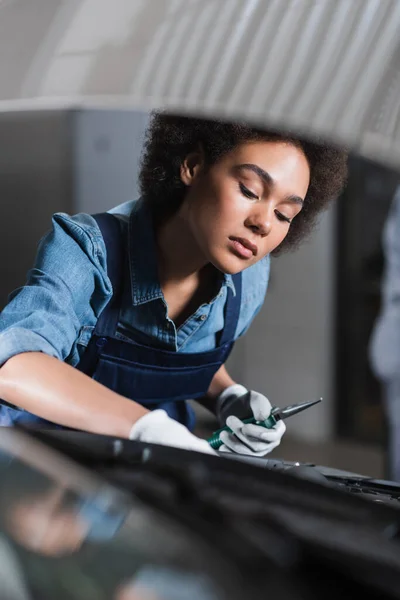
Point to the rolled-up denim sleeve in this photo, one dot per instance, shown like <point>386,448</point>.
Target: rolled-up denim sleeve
<point>65,290</point>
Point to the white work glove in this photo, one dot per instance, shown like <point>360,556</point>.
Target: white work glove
<point>250,439</point>
<point>156,427</point>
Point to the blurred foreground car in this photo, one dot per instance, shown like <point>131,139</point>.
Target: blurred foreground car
<point>86,516</point>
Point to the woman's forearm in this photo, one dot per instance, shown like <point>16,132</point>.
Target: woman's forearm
<point>55,391</point>
<point>219,383</point>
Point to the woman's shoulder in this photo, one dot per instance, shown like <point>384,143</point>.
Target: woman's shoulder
<point>257,276</point>
<point>84,229</point>
<point>123,211</point>
<point>254,288</point>
<point>74,245</point>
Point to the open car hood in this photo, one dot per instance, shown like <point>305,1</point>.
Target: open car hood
<point>95,513</point>
<point>327,68</point>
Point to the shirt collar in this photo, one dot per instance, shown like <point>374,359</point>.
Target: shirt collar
<point>143,255</point>
<point>228,281</point>
<point>143,267</point>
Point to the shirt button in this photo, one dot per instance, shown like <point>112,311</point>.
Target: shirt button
<point>101,342</point>
<point>203,317</point>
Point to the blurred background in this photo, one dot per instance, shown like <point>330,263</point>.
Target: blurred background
<point>312,336</point>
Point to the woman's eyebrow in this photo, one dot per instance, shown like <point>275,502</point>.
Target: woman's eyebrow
<point>266,177</point>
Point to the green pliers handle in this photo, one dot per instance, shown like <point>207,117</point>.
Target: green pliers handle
<point>215,441</point>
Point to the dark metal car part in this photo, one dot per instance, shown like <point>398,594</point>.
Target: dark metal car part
<point>264,521</point>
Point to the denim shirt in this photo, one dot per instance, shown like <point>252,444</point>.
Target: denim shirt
<point>56,310</point>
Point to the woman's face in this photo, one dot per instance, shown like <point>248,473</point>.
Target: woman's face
<point>240,209</point>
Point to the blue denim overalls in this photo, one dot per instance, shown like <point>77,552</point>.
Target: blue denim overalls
<point>152,377</point>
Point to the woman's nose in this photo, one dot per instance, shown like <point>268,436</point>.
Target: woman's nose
<point>260,221</point>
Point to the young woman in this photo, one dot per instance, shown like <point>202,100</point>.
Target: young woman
<point>125,315</point>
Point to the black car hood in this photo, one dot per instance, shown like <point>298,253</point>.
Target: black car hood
<point>231,528</point>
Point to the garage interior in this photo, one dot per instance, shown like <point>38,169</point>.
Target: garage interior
<point>310,340</point>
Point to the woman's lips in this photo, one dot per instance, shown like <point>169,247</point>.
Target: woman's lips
<point>238,246</point>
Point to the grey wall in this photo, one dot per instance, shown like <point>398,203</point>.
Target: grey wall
<point>35,181</point>
<point>106,152</point>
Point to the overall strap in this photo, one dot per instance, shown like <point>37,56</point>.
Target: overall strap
<point>232,311</point>
<point>111,232</point>
<point>108,320</point>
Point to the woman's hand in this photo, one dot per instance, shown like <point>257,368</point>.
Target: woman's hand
<point>156,427</point>
<point>250,439</point>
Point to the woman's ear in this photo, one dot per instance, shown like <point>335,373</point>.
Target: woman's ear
<point>192,166</point>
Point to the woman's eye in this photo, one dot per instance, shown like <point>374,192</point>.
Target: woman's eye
<point>282,217</point>
<point>246,192</point>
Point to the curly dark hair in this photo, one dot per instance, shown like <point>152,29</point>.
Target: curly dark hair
<point>170,138</point>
